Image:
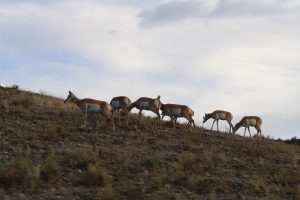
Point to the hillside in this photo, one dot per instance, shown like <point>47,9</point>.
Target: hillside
<point>44,154</point>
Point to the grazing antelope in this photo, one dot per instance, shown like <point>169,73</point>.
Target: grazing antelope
<point>219,115</point>
<point>146,103</point>
<point>248,121</point>
<point>121,103</point>
<point>174,111</point>
<point>91,105</point>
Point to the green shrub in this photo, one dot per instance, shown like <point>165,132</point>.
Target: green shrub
<point>151,162</point>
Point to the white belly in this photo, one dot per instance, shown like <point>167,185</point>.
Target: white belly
<point>144,105</point>
<point>252,122</point>
<point>115,104</point>
<point>176,112</point>
<point>93,107</point>
<point>221,116</point>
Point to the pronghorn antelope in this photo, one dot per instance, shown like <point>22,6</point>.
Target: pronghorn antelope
<point>248,121</point>
<point>219,115</point>
<point>121,103</point>
<point>174,111</point>
<point>146,103</point>
<point>91,105</point>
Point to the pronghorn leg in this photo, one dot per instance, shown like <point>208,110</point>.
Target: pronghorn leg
<point>175,118</point>
<point>189,122</point>
<point>258,131</point>
<point>140,116</point>
<point>230,126</point>
<point>249,131</point>
<point>158,116</point>
<point>245,131</point>
<point>174,122</point>
<point>217,125</point>
<point>193,122</point>
<point>84,118</point>
<point>119,115</point>
<point>110,118</point>
<point>127,117</point>
<point>114,111</point>
<point>212,125</point>
<point>113,124</point>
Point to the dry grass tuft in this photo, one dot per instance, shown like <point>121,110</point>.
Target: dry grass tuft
<point>50,168</point>
<point>107,193</point>
<point>97,175</point>
<point>18,172</point>
<point>81,157</point>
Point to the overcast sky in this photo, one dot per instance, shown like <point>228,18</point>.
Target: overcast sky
<point>237,55</point>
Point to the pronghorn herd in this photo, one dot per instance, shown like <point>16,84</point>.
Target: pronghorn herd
<point>174,111</point>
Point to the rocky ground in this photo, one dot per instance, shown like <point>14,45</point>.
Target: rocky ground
<point>44,154</point>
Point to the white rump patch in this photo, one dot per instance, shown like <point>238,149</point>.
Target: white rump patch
<point>127,101</point>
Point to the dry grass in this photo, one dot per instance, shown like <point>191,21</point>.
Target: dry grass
<point>14,100</point>
<point>50,168</point>
<point>45,155</point>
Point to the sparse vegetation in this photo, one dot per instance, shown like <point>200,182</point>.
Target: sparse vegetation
<point>50,168</point>
<point>107,193</point>
<point>97,175</point>
<point>45,154</point>
<point>293,140</point>
<point>81,157</point>
<point>17,172</point>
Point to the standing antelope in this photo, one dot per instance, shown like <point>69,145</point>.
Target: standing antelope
<point>219,115</point>
<point>248,121</point>
<point>146,103</point>
<point>121,103</point>
<point>91,105</point>
<point>174,111</point>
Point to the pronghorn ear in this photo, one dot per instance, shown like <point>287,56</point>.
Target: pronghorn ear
<point>70,92</point>
<point>158,97</point>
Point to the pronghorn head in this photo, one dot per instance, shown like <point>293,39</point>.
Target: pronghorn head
<point>206,117</point>
<point>71,97</point>
<point>236,127</point>
<point>157,101</point>
<point>132,105</point>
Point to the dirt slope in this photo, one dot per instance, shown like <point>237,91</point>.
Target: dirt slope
<point>44,154</point>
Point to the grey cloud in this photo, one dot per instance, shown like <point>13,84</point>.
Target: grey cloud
<point>39,2</point>
<point>170,12</point>
<point>174,11</point>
